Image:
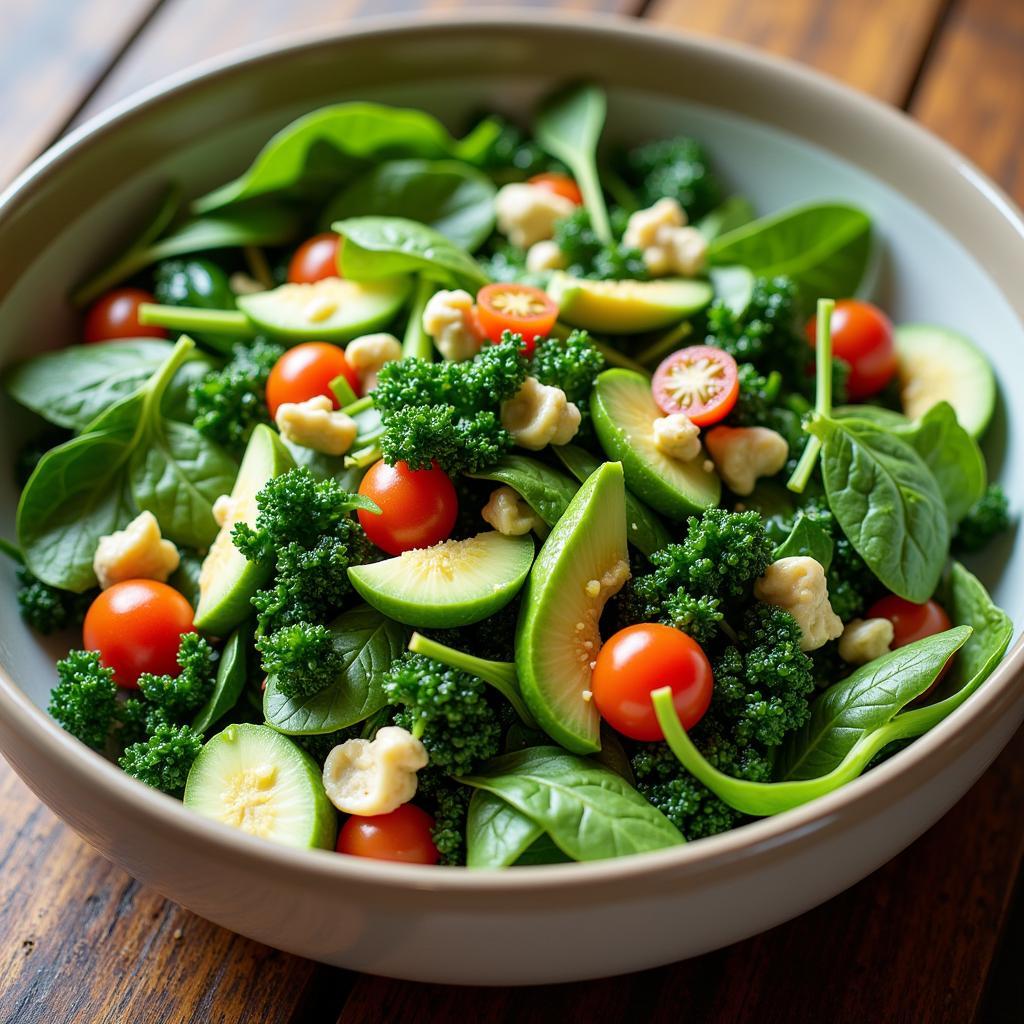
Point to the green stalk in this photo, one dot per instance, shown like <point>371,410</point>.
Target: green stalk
<point>823,396</point>
<point>617,358</point>
<point>11,551</point>
<point>666,343</point>
<point>259,269</point>
<point>362,458</point>
<point>417,344</point>
<point>228,322</point>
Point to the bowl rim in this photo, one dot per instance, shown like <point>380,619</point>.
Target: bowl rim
<point>763,840</point>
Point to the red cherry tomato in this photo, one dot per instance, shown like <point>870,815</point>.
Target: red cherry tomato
<point>306,371</point>
<point>561,184</point>
<point>638,660</point>
<point>315,259</point>
<point>519,308</point>
<point>862,337</point>
<point>403,834</point>
<point>700,381</point>
<point>910,621</point>
<point>418,507</point>
<point>137,626</point>
<point>116,315</point>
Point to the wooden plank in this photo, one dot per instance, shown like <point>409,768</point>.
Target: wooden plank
<point>51,54</point>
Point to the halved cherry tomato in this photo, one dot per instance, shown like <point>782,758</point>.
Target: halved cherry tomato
<point>519,308</point>
<point>700,381</point>
<point>418,507</point>
<point>116,315</point>
<point>561,184</point>
<point>638,660</point>
<point>137,625</point>
<point>306,371</point>
<point>403,835</point>
<point>910,622</point>
<point>315,259</point>
<point>862,337</point>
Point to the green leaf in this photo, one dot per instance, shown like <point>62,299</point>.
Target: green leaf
<point>544,489</point>
<point>232,673</point>
<point>590,813</point>
<point>807,538</point>
<point>734,287</point>
<point>453,198</point>
<point>727,216</point>
<point>368,643</point>
<point>542,851</point>
<point>497,835</point>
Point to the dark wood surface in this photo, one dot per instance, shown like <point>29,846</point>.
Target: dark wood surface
<point>932,936</point>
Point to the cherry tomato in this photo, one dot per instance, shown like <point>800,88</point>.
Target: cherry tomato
<point>403,834</point>
<point>306,371</point>
<point>137,625</point>
<point>862,337</point>
<point>561,184</point>
<point>315,259</point>
<point>638,660</point>
<point>700,381</point>
<point>910,621</point>
<point>116,315</point>
<point>519,308</point>
<point>418,507</point>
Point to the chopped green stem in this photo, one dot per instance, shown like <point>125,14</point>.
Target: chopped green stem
<point>342,391</point>
<point>617,358</point>
<point>227,322</point>
<point>417,343</point>
<point>623,195</point>
<point>11,551</point>
<point>362,458</point>
<point>667,343</point>
<point>823,396</point>
<point>593,200</point>
<point>419,728</point>
<point>358,406</point>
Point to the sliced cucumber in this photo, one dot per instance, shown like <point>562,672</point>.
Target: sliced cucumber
<point>582,563</point>
<point>255,779</point>
<point>627,307</point>
<point>938,365</point>
<point>454,583</point>
<point>333,309</point>
<point>624,413</point>
<point>227,579</point>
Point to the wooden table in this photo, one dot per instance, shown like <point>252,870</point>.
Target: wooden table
<point>919,941</point>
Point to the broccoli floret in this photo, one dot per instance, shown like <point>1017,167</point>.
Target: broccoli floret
<point>676,168</point>
<point>448,802</point>
<point>572,365</point>
<point>309,585</point>
<point>986,518</point>
<point>177,696</point>
<point>699,617</point>
<point>227,403</point>
<point>511,150</point>
<point>587,256</point>
<point>445,708</point>
<point>302,658</point>
<point>163,761</point>
<point>84,701</point>
<point>47,609</point>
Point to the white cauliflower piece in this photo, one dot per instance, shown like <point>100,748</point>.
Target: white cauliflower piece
<point>667,244</point>
<point>137,552</point>
<point>798,586</point>
<point>368,353</point>
<point>244,284</point>
<point>539,415</point>
<point>526,213</point>
<point>316,424</point>
<point>448,319</point>
<point>375,776</point>
<point>863,640</point>
<point>544,255</point>
<point>677,436</point>
<point>509,514</point>
<point>742,455</point>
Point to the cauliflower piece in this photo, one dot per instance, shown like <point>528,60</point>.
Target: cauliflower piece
<point>863,640</point>
<point>368,353</point>
<point>544,255</point>
<point>668,245</point>
<point>677,436</point>
<point>375,776</point>
<point>316,424</point>
<point>244,284</point>
<point>136,552</point>
<point>742,455</point>
<point>539,415</point>
<point>448,319</point>
<point>509,514</point>
<point>797,585</point>
<point>526,213</point>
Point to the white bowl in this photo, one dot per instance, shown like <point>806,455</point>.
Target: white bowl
<point>954,248</point>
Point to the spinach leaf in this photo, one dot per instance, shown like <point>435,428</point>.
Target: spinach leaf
<point>231,676</point>
<point>544,489</point>
<point>368,643</point>
<point>727,216</point>
<point>568,126</point>
<point>450,197</point>
<point>542,851</point>
<point>378,247</point>
<point>823,247</point>
<point>497,835</point>
<point>734,287</point>
<point>589,812</point>
<point>807,538</point>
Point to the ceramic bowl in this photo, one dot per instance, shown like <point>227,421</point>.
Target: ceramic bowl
<point>953,247</point>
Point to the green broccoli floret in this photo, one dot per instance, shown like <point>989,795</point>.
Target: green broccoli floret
<point>227,403</point>
<point>309,584</point>
<point>675,168</point>
<point>699,617</point>
<point>448,801</point>
<point>302,658</point>
<point>84,701</point>
<point>177,696</point>
<point>163,761</point>
<point>419,436</point>
<point>986,518</point>
<point>445,708</point>
<point>571,364</point>
<point>587,256</point>
<point>512,151</point>
<point>47,609</point>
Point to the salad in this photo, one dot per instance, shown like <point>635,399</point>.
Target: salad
<point>501,500</point>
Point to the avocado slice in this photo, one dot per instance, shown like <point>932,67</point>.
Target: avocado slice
<point>454,583</point>
<point>227,579</point>
<point>939,365</point>
<point>627,307</point>
<point>259,781</point>
<point>583,562</point>
<point>331,309</point>
<point>624,412</point>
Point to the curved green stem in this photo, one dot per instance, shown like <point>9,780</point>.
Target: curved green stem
<point>823,395</point>
<point>417,344</point>
<point>227,322</point>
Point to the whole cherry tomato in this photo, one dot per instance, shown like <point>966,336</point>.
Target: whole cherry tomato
<point>315,259</point>
<point>862,337</point>
<point>418,507</point>
<point>116,315</point>
<point>306,371</point>
<point>402,835</point>
<point>910,622</point>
